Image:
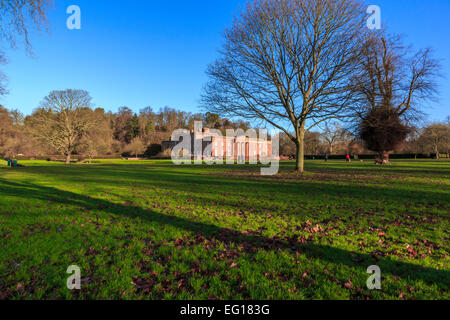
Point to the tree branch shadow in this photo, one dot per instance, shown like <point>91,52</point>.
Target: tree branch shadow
<point>249,242</point>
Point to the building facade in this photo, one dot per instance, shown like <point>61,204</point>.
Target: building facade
<point>241,148</point>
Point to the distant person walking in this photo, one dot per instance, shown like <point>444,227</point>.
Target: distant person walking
<point>326,156</point>
<point>348,158</point>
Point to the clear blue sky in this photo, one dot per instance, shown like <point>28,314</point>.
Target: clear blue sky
<point>140,53</point>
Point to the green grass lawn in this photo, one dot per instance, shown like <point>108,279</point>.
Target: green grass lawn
<point>152,230</point>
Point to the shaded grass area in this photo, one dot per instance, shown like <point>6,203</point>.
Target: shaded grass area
<point>152,230</point>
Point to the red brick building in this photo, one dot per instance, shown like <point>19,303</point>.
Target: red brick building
<point>237,148</point>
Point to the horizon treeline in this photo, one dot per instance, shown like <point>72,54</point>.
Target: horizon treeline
<point>112,133</point>
<point>126,133</point>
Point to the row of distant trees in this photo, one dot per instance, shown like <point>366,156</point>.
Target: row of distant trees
<point>66,124</point>
<point>432,139</point>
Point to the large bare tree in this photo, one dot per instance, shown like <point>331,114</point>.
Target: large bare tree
<point>287,63</point>
<point>332,133</point>
<point>392,87</point>
<point>136,147</point>
<point>63,120</point>
<point>437,138</point>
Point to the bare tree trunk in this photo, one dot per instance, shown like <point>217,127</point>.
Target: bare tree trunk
<point>384,156</point>
<point>436,149</point>
<point>68,158</point>
<point>300,162</point>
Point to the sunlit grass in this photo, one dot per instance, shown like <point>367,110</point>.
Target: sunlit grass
<point>152,230</point>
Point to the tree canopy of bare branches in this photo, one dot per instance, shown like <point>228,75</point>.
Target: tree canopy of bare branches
<point>63,120</point>
<point>6,123</point>
<point>436,138</point>
<point>17,17</point>
<point>287,63</point>
<point>333,132</point>
<point>392,87</point>
<point>136,147</point>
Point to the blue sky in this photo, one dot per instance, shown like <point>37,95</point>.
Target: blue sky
<point>140,53</point>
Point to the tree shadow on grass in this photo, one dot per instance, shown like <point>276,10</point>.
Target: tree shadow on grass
<point>249,242</point>
<point>159,176</point>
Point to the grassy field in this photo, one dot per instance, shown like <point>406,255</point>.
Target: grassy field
<point>152,230</point>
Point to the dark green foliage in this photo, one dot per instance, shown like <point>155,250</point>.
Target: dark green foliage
<point>383,130</point>
<point>153,150</point>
